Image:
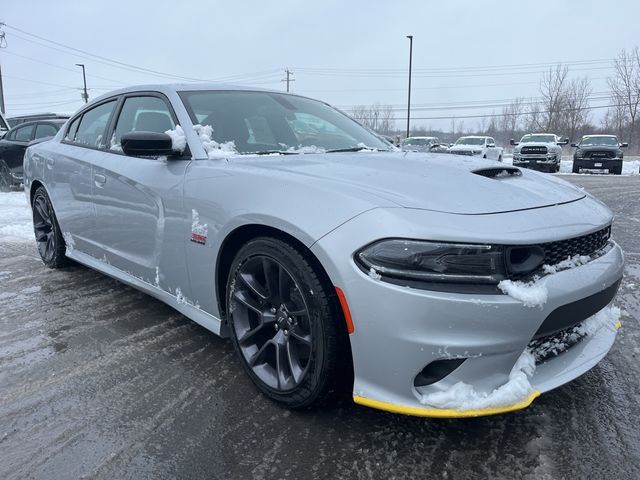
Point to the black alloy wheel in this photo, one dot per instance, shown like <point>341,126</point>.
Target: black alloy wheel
<point>284,323</point>
<point>49,240</point>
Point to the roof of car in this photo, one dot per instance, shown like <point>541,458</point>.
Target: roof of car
<point>599,135</point>
<point>60,121</point>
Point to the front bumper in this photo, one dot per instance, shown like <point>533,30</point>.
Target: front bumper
<point>399,330</point>
<point>541,163</point>
<point>597,164</point>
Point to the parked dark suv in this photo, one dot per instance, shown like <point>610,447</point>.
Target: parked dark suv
<point>14,144</point>
<point>598,152</point>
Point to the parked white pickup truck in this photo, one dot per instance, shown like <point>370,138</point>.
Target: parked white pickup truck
<point>539,151</point>
<point>484,147</point>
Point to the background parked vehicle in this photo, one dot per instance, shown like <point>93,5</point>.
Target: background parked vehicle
<point>18,119</point>
<point>484,147</point>
<point>14,144</point>
<point>539,151</point>
<point>419,144</point>
<point>599,152</point>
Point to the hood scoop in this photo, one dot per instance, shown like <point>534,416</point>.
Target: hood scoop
<point>498,172</point>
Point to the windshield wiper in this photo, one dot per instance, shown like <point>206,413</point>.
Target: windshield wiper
<point>353,149</point>
<point>271,152</point>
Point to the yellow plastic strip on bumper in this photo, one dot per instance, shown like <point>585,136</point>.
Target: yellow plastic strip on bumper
<point>441,412</point>
<point>618,325</point>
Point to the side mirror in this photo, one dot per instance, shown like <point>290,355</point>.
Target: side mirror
<point>491,145</point>
<point>513,142</point>
<point>624,145</point>
<point>574,145</point>
<point>450,145</point>
<point>564,142</point>
<point>146,144</point>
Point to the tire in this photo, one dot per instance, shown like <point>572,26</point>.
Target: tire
<point>616,170</point>
<point>500,158</point>
<point>575,168</point>
<point>298,321</point>
<point>49,239</point>
<point>6,181</point>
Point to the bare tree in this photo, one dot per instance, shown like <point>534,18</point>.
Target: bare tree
<point>511,117</point>
<point>379,118</point>
<point>625,86</point>
<point>576,99</point>
<point>552,89</point>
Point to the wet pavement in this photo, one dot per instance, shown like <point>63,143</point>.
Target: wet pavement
<point>98,380</point>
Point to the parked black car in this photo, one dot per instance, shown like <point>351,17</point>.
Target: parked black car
<point>14,144</point>
<point>598,152</point>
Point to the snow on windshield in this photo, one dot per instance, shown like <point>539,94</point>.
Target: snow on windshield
<point>538,138</point>
<point>470,141</point>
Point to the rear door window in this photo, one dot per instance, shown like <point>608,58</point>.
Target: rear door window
<point>93,125</point>
<point>24,134</point>
<point>45,130</point>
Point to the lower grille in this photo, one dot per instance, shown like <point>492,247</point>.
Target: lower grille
<point>600,154</point>
<point>550,346</point>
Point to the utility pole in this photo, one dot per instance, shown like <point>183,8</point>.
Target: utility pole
<point>410,37</point>
<point>84,94</point>
<point>3,44</point>
<point>288,79</point>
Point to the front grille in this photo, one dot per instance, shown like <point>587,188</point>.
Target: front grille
<point>600,154</point>
<point>555,252</point>
<point>533,150</point>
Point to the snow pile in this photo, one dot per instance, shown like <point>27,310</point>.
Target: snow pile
<point>462,396</point>
<point>214,149</point>
<point>113,145</point>
<point>69,242</point>
<point>531,294</point>
<point>196,226</point>
<point>374,274</point>
<point>16,223</point>
<point>306,149</point>
<point>608,317</point>
<point>178,139</point>
<point>570,262</point>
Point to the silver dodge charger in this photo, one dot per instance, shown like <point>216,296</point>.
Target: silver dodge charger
<point>425,284</point>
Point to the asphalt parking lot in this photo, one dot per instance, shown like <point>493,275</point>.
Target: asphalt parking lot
<point>98,380</point>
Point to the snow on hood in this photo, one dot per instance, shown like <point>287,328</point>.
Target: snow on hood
<point>438,182</point>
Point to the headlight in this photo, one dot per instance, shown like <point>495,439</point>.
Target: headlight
<point>578,154</point>
<point>424,261</point>
<point>619,153</point>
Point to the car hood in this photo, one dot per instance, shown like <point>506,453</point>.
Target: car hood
<point>466,147</point>
<point>588,148</point>
<point>438,182</point>
<point>549,145</point>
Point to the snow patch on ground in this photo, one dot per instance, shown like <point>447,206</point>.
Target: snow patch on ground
<point>178,139</point>
<point>531,294</point>
<point>462,396</point>
<point>214,149</point>
<point>16,223</point>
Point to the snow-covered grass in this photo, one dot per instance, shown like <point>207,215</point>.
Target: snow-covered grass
<point>16,224</point>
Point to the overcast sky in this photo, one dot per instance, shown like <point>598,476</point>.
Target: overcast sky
<point>344,52</point>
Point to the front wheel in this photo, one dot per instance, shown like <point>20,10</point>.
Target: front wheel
<point>284,323</point>
<point>575,168</point>
<point>49,240</point>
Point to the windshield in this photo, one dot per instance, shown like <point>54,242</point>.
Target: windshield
<point>265,122</point>
<point>470,141</point>
<point>538,138</point>
<point>592,140</point>
<point>419,141</point>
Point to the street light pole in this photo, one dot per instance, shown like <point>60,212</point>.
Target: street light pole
<point>84,94</point>
<point>410,37</point>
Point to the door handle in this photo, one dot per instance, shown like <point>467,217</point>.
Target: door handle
<point>99,179</point>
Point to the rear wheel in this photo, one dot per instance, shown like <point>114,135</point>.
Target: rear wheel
<point>284,323</point>
<point>49,240</point>
<point>5,177</point>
